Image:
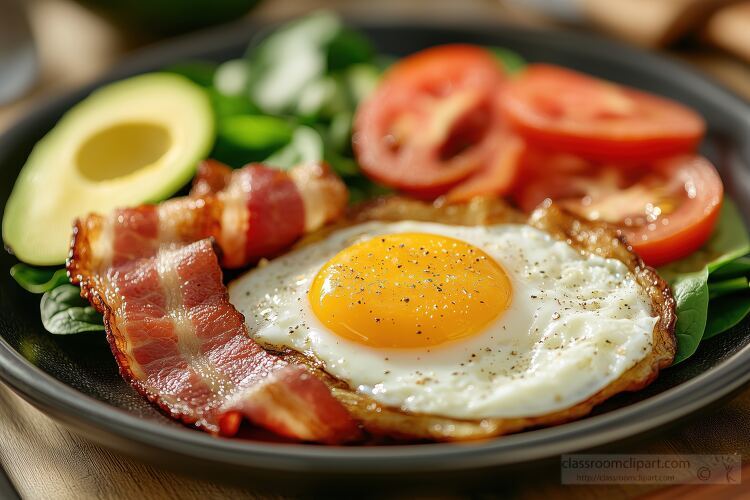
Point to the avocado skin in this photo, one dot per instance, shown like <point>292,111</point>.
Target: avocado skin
<point>168,17</point>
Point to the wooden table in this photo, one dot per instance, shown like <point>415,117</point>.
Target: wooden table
<point>45,460</point>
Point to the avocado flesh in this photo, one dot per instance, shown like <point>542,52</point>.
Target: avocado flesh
<point>135,141</point>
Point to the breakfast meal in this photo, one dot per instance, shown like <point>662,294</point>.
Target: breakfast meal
<point>450,330</point>
<point>451,246</point>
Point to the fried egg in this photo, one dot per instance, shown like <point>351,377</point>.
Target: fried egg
<point>467,322</point>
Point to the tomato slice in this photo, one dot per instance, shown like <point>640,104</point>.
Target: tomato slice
<point>433,120</point>
<point>567,111</point>
<point>498,174</point>
<point>666,210</point>
<point>550,175</point>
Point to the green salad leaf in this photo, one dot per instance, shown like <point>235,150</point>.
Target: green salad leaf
<point>729,242</point>
<point>339,133</point>
<point>36,279</point>
<point>65,312</point>
<point>718,289</point>
<point>62,309</point>
<point>360,80</point>
<point>230,105</point>
<point>225,98</point>
<point>296,56</point>
<point>732,269</point>
<point>292,98</point>
<point>511,61</point>
<point>306,146</point>
<point>232,77</point>
<point>704,308</point>
<point>247,138</point>
<point>690,291</point>
<point>344,166</point>
<point>726,313</point>
<point>321,98</point>
<point>346,48</point>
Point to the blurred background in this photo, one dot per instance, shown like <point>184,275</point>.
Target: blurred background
<point>48,46</point>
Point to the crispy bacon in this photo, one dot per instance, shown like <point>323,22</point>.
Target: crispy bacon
<point>252,212</point>
<point>181,344</point>
<point>154,274</point>
<point>265,210</point>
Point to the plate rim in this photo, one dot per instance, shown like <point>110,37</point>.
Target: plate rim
<point>45,391</point>
<point>585,433</point>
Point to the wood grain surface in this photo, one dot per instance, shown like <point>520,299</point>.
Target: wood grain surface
<point>45,460</point>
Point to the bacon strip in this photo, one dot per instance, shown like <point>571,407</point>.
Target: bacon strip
<point>251,213</point>
<point>265,209</point>
<point>153,272</point>
<point>323,194</point>
<point>181,344</point>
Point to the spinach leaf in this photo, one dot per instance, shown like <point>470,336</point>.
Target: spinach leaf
<point>690,290</point>
<point>339,133</point>
<point>732,269</point>
<point>306,146</point>
<point>728,242</point>
<point>511,61</point>
<point>62,309</point>
<point>348,48</point>
<point>345,167</point>
<point>726,313</point>
<point>256,132</point>
<point>292,57</point>
<point>38,280</point>
<point>302,67</point>
<point>690,284</point>
<point>246,138</point>
<point>730,239</point>
<point>360,80</point>
<point>64,312</point>
<point>718,289</point>
<point>321,99</point>
<point>231,78</point>
<point>230,105</point>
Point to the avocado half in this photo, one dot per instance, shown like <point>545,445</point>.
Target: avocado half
<point>134,141</point>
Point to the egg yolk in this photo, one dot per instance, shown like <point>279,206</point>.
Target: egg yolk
<point>409,290</point>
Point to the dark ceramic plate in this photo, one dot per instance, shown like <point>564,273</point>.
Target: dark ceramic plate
<point>74,378</point>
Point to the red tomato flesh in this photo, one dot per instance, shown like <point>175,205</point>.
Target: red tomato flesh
<point>566,111</point>
<point>498,174</point>
<point>666,210</point>
<point>433,121</point>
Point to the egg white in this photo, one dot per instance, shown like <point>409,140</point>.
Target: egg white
<point>576,323</point>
